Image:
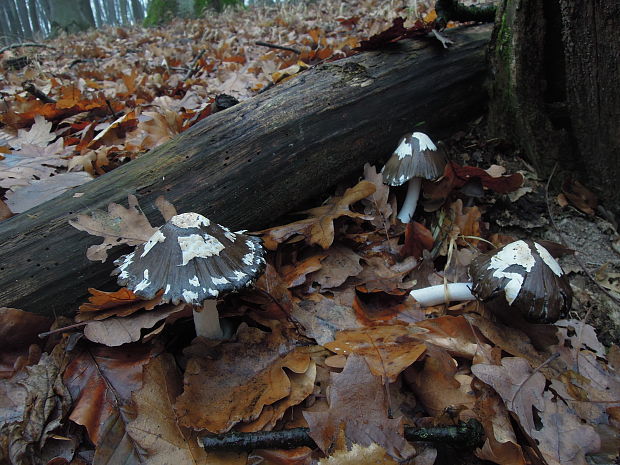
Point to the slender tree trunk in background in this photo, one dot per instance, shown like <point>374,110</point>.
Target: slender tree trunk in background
<point>554,90</point>
<point>71,16</point>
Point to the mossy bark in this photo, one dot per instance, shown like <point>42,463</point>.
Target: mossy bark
<point>554,89</point>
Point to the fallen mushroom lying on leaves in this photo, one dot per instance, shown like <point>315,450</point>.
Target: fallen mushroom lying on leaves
<point>520,277</point>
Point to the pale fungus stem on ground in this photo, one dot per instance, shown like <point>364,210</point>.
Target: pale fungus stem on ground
<point>207,320</point>
<point>411,200</point>
<point>441,293</point>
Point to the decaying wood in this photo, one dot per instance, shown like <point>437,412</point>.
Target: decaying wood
<point>246,166</point>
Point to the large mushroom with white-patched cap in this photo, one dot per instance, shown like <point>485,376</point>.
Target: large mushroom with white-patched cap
<point>195,261</point>
<point>415,158</point>
<point>525,278</point>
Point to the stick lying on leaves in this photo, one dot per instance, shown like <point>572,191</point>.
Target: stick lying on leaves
<point>468,435</point>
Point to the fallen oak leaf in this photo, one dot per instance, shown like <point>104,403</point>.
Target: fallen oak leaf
<point>246,375</point>
<point>123,302</point>
<point>319,228</point>
<point>119,225</point>
<point>117,331</point>
<point>388,350</point>
<point>155,427</point>
<point>357,406</point>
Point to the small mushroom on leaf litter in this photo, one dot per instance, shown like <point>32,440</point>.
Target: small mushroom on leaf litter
<point>521,278</point>
<point>195,261</point>
<point>415,158</point>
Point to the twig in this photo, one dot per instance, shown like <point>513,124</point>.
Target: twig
<point>194,67</point>
<point>468,435</point>
<point>63,329</point>
<point>38,93</point>
<point>25,44</point>
<point>279,47</point>
<point>565,242</point>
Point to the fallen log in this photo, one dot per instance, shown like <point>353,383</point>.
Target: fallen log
<point>246,166</point>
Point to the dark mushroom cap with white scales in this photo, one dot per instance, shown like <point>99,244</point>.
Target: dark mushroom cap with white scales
<point>192,260</point>
<point>527,276</point>
<point>415,157</point>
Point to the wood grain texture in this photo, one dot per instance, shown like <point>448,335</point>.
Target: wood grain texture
<point>246,166</point>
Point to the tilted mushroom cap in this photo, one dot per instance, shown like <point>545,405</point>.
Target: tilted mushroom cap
<point>415,157</point>
<point>192,260</point>
<point>530,280</point>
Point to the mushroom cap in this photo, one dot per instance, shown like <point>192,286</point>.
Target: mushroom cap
<point>415,157</point>
<point>527,276</point>
<point>192,260</point>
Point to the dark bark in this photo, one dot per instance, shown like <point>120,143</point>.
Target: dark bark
<point>248,165</point>
<point>554,89</point>
<point>468,435</point>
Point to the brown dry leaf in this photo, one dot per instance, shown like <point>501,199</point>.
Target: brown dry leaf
<point>340,263</point>
<point>166,208</point>
<point>295,275</point>
<point>319,228</point>
<point>377,203</point>
<point>453,333</point>
<point>302,385</point>
<point>388,350</point>
<point>320,318</point>
<point>30,163</point>
<point>23,198</point>
<point>117,331</point>
<point>357,406</point>
<point>438,385</point>
<point>155,427</point>
<point>33,405</point>
<point>246,375</point>
<point>101,380</point>
<point>519,387</point>
<point>580,196</point>
<point>119,225</point>
<point>5,211</point>
<point>467,221</point>
<point>39,134</point>
<point>382,274</point>
<point>123,302</point>
<point>500,445</point>
<point>372,454</point>
<point>154,129</point>
<point>417,239</point>
<point>278,302</point>
<point>563,439</point>
<point>18,333</point>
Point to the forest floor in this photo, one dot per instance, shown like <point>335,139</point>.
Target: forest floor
<point>329,339</point>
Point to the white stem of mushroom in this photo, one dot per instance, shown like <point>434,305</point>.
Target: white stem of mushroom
<point>207,321</point>
<point>440,294</point>
<point>411,200</point>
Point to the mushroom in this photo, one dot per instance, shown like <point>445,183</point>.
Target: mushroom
<point>415,158</point>
<point>193,261</point>
<point>521,279</point>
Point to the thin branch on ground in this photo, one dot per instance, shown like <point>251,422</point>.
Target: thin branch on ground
<point>25,44</point>
<point>279,47</point>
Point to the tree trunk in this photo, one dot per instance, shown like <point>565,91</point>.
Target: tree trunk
<point>246,166</point>
<point>554,88</point>
<point>70,16</point>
